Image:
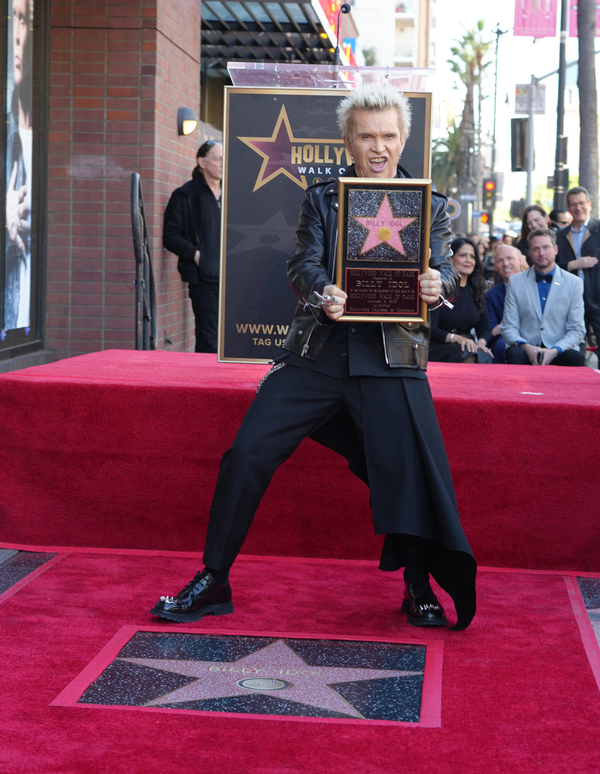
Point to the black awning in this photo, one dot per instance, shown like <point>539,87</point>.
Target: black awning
<point>256,31</point>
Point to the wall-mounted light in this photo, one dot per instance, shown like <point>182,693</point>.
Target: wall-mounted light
<point>187,121</point>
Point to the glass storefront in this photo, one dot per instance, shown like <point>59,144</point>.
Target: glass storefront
<point>20,258</point>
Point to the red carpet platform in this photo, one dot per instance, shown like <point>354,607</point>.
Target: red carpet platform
<point>120,449</point>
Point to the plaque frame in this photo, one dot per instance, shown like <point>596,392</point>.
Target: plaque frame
<point>347,268</point>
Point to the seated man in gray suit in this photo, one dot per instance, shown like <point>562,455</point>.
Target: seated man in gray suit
<point>543,311</point>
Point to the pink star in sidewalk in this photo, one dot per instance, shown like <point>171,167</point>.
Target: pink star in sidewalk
<point>275,669</point>
<point>384,227</point>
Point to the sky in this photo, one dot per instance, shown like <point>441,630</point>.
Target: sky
<point>519,58</point>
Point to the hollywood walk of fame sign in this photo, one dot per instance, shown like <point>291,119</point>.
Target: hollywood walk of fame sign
<point>277,143</point>
<point>383,247</point>
<point>293,677</point>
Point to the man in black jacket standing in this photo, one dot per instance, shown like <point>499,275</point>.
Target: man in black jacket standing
<point>359,388</point>
<point>192,230</point>
<point>579,250</point>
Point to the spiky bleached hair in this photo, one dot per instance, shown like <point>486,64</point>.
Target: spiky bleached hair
<point>372,97</point>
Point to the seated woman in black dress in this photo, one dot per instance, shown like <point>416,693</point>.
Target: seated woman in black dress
<point>451,338</point>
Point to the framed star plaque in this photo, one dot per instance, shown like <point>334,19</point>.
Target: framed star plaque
<point>383,247</point>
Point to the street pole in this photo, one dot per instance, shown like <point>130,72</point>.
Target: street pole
<point>497,33</point>
<point>560,185</point>
<point>530,151</point>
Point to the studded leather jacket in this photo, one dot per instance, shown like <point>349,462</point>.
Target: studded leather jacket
<point>312,267</point>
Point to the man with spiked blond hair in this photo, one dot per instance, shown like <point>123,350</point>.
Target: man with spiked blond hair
<point>359,388</point>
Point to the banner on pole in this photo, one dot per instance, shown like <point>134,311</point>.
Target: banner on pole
<point>535,18</point>
<point>573,19</point>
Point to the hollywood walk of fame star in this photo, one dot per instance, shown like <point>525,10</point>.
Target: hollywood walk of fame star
<point>384,227</point>
<point>276,152</point>
<point>274,233</point>
<point>274,664</point>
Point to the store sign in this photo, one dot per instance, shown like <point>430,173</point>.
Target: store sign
<point>277,143</point>
<point>522,98</point>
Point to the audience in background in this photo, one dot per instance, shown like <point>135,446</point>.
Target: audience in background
<point>506,263</point>
<point>560,219</point>
<point>487,260</point>
<point>451,337</point>
<point>534,217</point>
<point>542,322</point>
<point>578,252</point>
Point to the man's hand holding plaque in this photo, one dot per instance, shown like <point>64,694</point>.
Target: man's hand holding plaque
<point>333,311</point>
<point>430,286</point>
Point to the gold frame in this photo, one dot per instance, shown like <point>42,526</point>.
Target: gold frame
<point>365,183</point>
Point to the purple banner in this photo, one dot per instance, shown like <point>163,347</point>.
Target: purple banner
<point>535,18</point>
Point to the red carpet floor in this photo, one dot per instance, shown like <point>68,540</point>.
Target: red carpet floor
<point>121,450</point>
<point>518,693</point>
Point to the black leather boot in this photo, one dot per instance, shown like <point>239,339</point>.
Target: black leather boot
<point>202,595</point>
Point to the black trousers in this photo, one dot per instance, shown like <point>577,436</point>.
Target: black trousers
<point>406,463</point>
<point>592,320</point>
<point>205,303</point>
<point>570,357</point>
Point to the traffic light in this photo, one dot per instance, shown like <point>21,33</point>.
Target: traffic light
<point>489,194</point>
<point>519,134</point>
<point>485,218</point>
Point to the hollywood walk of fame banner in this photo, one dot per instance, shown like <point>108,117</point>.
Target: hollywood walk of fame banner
<point>383,246</point>
<point>277,143</point>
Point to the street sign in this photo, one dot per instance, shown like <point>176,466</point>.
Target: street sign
<point>454,209</point>
<point>467,197</point>
<point>522,99</point>
<point>477,213</point>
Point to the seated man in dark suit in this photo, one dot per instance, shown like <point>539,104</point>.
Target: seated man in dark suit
<point>507,261</point>
<point>543,311</point>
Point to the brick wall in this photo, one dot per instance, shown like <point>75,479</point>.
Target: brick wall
<point>119,70</point>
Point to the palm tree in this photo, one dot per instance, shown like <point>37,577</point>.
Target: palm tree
<point>588,100</point>
<point>468,63</point>
<point>445,160</point>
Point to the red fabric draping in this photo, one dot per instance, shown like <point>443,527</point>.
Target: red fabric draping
<point>121,449</point>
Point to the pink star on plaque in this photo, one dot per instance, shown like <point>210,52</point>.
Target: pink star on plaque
<point>384,227</point>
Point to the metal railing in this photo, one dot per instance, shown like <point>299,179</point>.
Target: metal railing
<point>145,294</point>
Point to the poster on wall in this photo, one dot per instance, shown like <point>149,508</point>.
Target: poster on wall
<point>277,143</point>
<point>17,290</point>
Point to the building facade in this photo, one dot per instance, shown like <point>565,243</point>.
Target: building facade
<point>92,89</point>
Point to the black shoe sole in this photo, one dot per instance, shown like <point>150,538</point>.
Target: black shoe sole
<point>223,609</point>
<point>428,621</point>
<point>422,621</point>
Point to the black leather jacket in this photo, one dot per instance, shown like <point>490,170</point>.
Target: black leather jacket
<point>193,222</point>
<point>312,267</point>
